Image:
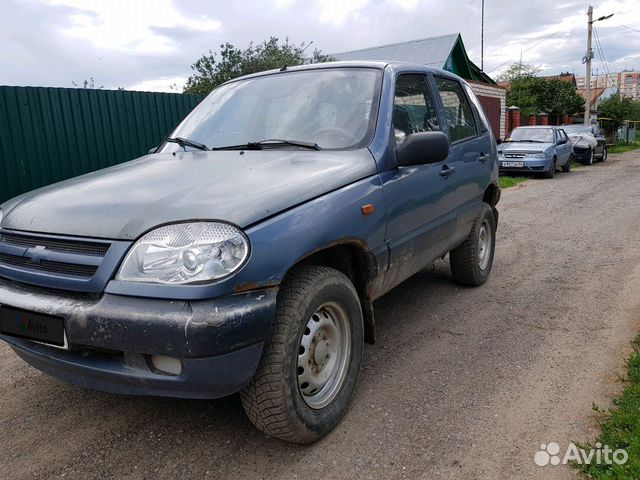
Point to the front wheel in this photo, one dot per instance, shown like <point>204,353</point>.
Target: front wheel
<point>605,154</point>
<point>471,262</point>
<point>310,363</point>
<point>552,170</point>
<point>591,157</point>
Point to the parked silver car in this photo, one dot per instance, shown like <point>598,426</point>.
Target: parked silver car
<point>584,153</point>
<point>536,149</point>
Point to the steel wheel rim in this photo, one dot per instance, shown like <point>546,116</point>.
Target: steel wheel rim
<point>484,245</point>
<point>324,354</point>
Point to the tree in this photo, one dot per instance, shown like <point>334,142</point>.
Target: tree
<point>558,98</point>
<point>518,70</point>
<point>213,69</point>
<point>534,95</point>
<point>619,109</point>
<point>87,84</point>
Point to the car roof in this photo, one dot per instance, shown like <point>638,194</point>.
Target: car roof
<point>394,66</point>
<point>537,126</point>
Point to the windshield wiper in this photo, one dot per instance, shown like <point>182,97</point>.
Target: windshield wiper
<point>529,140</point>
<point>185,142</point>
<point>270,142</point>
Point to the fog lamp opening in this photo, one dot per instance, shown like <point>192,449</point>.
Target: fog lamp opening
<point>168,365</point>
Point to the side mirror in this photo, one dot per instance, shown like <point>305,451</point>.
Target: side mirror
<point>423,148</point>
<point>152,150</point>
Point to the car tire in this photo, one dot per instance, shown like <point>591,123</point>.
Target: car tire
<point>605,154</point>
<point>552,171</point>
<point>318,314</point>
<point>567,166</point>
<point>592,154</point>
<point>471,262</point>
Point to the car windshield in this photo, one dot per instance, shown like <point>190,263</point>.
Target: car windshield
<point>334,108</point>
<point>544,135</point>
<point>578,129</point>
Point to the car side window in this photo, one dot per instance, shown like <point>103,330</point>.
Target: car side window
<point>458,112</point>
<point>413,107</point>
<point>563,135</point>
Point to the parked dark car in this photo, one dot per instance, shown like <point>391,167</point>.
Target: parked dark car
<point>584,153</point>
<point>536,149</point>
<point>245,255</point>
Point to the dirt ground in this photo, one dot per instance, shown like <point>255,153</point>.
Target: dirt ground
<point>463,383</point>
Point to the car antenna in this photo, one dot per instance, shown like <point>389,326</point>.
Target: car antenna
<point>284,68</point>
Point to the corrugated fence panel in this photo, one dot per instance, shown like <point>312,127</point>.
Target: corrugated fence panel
<point>50,134</point>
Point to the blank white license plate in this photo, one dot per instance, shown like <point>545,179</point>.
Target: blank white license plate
<point>513,164</point>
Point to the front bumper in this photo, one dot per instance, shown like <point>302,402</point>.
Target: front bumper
<point>528,165</point>
<point>581,154</point>
<point>112,338</point>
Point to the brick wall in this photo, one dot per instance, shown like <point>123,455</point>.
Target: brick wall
<point>494,101</point>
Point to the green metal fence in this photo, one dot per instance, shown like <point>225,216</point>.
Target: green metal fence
<point>50,134</point>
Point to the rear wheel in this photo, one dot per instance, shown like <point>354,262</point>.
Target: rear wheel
<point>471,262</point>
<point>567,166</point>
<point>310,364</point>
<point>605,154</point>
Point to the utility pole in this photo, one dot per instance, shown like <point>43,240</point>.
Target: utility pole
<point>588,57</point>
<point>482,40</point>
<point>587,60</point>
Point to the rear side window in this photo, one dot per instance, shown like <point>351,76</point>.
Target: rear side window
<point>413,107</point>
<point>458,112</point>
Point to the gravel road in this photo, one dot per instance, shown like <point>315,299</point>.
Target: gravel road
<point>463,383</point>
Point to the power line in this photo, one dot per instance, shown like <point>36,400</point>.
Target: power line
<point>603,59</point>
<point>524,51</point>
<point>631,28</point>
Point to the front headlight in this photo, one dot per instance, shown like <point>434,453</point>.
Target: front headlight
<point>185,253</point>
<point>537,155</point>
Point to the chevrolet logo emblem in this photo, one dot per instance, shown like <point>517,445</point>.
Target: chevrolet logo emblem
<point>35,254</point>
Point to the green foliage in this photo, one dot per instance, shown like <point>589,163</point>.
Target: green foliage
<point>534,94</point>
<point>509,181</point>
<point>623,148</point>
<point>230,62</point>
<point>619,109</point>
<point>621,428</point>
<point>518,70</point>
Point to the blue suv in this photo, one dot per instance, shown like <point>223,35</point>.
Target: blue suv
<point>245,254</point>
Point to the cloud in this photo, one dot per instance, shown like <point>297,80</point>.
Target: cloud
<point>151,44</point>
<point>337,11</point>
<point>129,26</point>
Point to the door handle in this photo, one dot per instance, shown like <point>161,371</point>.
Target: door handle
<point>483,158</point>
<point>446,171</point>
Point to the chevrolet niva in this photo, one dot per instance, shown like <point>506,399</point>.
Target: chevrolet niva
<point>245,253</point>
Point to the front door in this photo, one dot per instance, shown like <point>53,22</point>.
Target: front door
<point>420,218</point>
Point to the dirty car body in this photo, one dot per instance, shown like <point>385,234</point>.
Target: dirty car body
<point>99,287</point>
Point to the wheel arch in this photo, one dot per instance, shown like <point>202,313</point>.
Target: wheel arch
<point>356,263</point>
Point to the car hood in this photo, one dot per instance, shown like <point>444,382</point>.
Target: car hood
<point>126,200</point>
<point>524,147</point>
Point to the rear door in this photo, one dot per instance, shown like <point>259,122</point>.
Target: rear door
<point>470,155</point>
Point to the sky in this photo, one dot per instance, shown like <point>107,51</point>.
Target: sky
<point>151,44</point>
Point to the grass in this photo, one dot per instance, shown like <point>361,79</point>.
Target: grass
<point>506,182</point>
<point>624,147</point>
<point>620,428</point>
